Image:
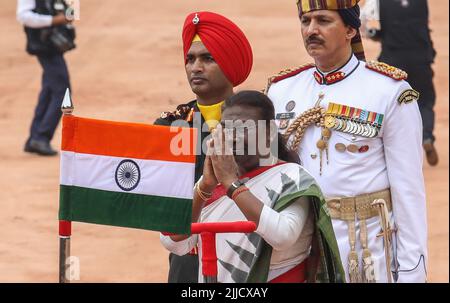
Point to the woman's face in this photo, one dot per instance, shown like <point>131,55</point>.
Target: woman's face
<point>243,126</point>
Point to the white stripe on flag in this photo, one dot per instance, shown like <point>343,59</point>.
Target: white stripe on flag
<point>158,178</point>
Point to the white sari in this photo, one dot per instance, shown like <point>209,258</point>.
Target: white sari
<point>289,231</point>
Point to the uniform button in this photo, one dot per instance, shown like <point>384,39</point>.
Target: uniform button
<point>352,148</point>
<point>364,148</point>
<point>313,156</point>
<point>340,147</point>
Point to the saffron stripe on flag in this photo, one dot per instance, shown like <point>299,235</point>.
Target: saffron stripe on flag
<point>128,140</point>
<point>125,209</point>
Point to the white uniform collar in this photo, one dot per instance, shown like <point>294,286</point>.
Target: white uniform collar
<point>338,74</point>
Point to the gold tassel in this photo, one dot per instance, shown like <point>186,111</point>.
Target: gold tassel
<point>368,267</point>
<point>353,267</point>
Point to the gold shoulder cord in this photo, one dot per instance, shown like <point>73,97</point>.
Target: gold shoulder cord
<point>315,115</point>
<point>388,70</point>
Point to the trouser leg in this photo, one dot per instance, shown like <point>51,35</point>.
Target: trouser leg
<point>48,111</point>
<point>183,269</point>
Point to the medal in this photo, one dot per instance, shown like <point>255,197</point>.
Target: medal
<point>342,124</point>
<point>290,106</point>
<point>366,131</point>
<point>351,127</point>
<point>360,130</point>
<point>369,131</point>
<point>330,122</point>
<point>376,133</point>
<point>352,120</point>
<point>348,127</point>
<point>373,132</point>
<point>355,129</point>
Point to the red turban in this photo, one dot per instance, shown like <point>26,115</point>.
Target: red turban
<point>224,40</point>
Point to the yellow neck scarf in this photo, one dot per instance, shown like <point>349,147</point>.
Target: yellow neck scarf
<point>211,113</point>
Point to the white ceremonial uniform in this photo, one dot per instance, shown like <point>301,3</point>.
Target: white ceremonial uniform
<point>393,160</point>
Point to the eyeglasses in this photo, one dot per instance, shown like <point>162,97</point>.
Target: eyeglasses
<point>232,129</point>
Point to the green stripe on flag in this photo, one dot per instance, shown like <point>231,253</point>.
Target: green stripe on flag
<point>125,209</point>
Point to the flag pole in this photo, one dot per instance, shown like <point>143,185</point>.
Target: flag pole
<point>65,227</point>
<point>208,231</point>
<point>209,257</point>
<point>65,231</point>
<point>67,105</point>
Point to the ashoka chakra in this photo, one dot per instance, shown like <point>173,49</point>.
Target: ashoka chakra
<point>128,175</point>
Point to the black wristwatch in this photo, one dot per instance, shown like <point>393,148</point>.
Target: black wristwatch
<point>235,185</point>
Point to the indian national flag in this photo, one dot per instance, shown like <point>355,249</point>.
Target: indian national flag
<point>127,174</point>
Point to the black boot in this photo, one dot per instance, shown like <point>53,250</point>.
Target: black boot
<point>40,147</point>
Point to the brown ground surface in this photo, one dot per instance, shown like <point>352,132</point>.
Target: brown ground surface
<point>128,66</point>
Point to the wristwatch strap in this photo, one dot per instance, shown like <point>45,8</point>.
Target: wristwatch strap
<point>235,185</point>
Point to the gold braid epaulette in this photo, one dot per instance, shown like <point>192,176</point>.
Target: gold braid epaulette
<point>387,70</point>
<point>286,73</point>
<point>183,112</point>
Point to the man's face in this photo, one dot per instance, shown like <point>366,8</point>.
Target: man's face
<point>324,33</point>
<point>203,73</point>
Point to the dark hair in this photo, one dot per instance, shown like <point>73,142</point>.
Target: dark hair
<point>257,100</point>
